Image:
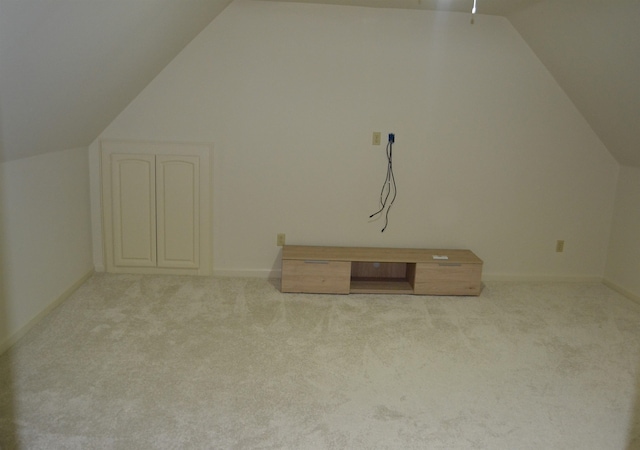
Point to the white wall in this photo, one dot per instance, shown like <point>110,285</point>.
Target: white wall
<point>623,267</point>
<point>490,153</point>
<point>45,234</point>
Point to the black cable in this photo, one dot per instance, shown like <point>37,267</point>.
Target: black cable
<point>385,185</point>
<point>389,185</point>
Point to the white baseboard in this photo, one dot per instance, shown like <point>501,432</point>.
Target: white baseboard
<point>247,273</point>
<point>15,337</point>
<point>620,290</point>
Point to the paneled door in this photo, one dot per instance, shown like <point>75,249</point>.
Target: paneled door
<point>133,187</point>
<point>156,207</point>
<point>177,190</point>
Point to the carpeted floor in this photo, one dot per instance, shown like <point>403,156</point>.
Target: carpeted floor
<point>159,362</point>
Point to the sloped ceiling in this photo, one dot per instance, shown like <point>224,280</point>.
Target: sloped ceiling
<point>68,67</point>
<point>592,48</point>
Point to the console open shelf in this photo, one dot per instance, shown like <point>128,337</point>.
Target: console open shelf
<point>372,270</point>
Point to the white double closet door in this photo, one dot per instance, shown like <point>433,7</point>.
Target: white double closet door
<point>156,207</point>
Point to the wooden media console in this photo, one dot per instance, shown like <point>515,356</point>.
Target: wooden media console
<point>344,270</point>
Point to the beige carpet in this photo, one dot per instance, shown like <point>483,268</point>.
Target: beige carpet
<point>150,362</point>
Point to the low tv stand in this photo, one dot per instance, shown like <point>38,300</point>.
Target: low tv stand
<point>372,270</point>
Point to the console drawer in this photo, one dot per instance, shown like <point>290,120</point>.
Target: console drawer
<point>448,278</point>
<point>316,276</point>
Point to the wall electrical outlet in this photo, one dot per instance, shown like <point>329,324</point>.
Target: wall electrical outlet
<point>376,138</point>
<point>559,246</point>
<point>280,240</point>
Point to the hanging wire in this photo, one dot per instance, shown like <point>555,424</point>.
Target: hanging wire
<point>388,187</point>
